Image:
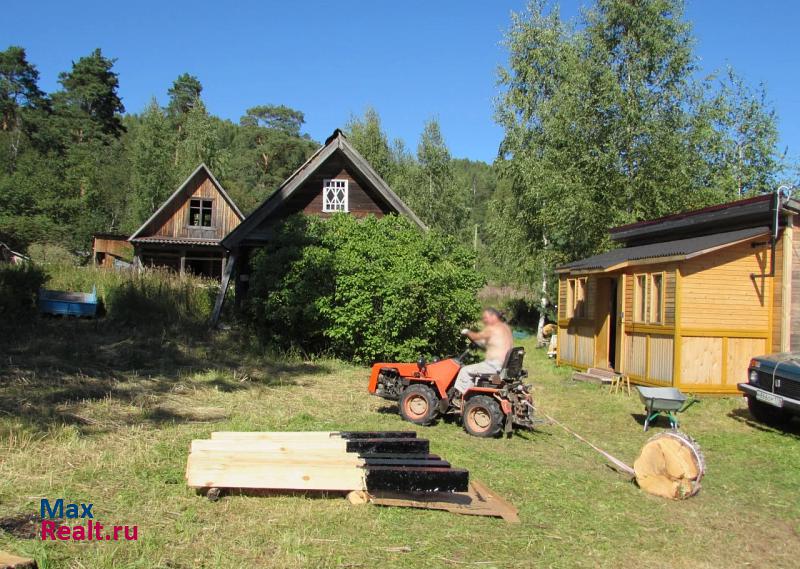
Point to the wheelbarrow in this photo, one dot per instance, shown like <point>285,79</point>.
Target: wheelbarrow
<point>666,401</point>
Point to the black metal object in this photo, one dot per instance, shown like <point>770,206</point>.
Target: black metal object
<point>390,384</point>
<point>403,455</point>
<point>416,479</point>
<point>377,434</point>
<point>370,461</point>
<point>394,445</point>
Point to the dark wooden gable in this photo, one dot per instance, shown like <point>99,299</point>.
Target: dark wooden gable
<point>302,192</point>
<point>362,198</point>
<point>171,221</point>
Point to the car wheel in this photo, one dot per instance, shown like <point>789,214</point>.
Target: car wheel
<point>767,414</point>
<point>418,404</point>
<point>482,417</point>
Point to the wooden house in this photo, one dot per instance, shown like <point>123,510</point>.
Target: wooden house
<point>184,234</point>
<point>687,299</point>
<point>336,178</point>
<point>110,250</point>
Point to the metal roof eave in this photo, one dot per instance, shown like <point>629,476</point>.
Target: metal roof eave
<point>655,260</point>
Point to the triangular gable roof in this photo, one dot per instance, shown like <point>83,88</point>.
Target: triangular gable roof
<point>177,194</point>
<point>336,142</point>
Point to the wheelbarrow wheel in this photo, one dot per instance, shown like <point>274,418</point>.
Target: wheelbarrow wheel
<point>483,417</point>
<point>418,404</point>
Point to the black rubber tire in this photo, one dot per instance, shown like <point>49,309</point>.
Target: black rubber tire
<point>482,417</point>
<point>767,414</point>
<point>418,404</point>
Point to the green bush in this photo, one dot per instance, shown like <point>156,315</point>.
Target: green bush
<point>18,287</point>
<point>362,289</point>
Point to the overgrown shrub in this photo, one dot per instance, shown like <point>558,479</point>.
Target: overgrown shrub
<point>18,287</point>
<point>363,289</point>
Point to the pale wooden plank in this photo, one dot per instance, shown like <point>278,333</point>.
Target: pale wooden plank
<point>279,477</point>
<point>333,445</point>
<point>273,435</point>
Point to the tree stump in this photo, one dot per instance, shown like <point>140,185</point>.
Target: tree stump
<point>8,561</point>
<point>670,465</point>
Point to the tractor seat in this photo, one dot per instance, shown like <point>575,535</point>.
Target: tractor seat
<point>511,371</point>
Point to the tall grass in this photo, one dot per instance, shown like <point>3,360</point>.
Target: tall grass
<point>153,297</point>
<point>18,286</point>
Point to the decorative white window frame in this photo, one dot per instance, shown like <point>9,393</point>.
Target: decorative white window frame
<point>335,205</point>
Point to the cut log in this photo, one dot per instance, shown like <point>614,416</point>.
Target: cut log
<point>670,465</point>
<point>9,561</point>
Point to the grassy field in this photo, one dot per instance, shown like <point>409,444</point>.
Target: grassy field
<point>92,414</point>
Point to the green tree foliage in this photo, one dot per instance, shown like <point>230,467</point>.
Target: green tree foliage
<point>435,186</point>
<point>367,136</point>
<point>265,149</point>
<point>605,124</point>
<point>72,164</point>
<point>89,103</point>
<point>199,143</point>
<point>277,117</point>
<point>363,290</point>
<point>183,95</point>
<point>153,176</point>
<point>20,100</point>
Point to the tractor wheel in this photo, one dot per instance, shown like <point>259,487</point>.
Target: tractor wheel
<point>482,417</point>
<point>418,404</point>
<point>767,414</point>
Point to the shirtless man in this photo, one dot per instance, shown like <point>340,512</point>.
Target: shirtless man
<point>496,339</point>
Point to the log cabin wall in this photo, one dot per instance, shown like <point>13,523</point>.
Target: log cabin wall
<point>727,315</point>
<point>173,222</point>
<point>361,202</point>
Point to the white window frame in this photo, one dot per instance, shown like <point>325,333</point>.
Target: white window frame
<point>327,205</point>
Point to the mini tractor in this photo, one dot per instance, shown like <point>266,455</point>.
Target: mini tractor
<point>424,391</point>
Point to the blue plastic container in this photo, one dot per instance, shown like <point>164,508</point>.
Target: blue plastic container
<point>61,303</point>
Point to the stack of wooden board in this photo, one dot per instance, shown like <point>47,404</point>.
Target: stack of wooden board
<point>322,461</point>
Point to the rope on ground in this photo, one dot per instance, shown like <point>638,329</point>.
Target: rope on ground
<point>615,461</point>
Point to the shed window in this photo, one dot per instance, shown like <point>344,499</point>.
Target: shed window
<point>640,298</point>
<point>200,213</point>
<point>334,195</point>
<point>576,298</point>
<point>657,298</point>
<point>570,298</point>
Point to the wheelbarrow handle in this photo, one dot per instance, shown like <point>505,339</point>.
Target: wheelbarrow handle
<point>691,400</point>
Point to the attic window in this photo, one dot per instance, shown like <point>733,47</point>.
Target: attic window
<point>200,213</point>
<point>334,195</point>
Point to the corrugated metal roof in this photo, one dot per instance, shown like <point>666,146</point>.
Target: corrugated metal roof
<point>656,251</point>
<point>171,241</point>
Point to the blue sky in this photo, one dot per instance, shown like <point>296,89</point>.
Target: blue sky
<point>410,59</point>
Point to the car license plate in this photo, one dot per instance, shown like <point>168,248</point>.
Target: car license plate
<point>770,398</point>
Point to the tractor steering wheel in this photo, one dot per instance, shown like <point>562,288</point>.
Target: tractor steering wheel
<point>465,353</point>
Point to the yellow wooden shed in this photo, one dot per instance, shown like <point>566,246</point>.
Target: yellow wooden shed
<point>687,299</point>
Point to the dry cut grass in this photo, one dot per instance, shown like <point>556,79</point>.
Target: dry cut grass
<point>91,413</point>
